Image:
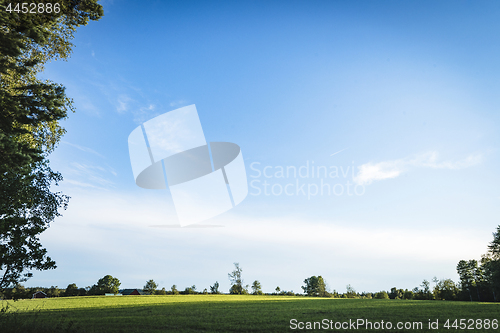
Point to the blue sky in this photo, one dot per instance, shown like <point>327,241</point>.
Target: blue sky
<point>405,92</point>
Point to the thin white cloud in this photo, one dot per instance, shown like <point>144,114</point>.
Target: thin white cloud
<point>370,172</point>
<point>84,103</point>
<point>82,148</point>
<point>338,152</point>
<point>123,102</point>
<point>127,99</point>
<point>113,172</point>
<point>145,113</point>
<point>81,184</point>
<point>88,175</point>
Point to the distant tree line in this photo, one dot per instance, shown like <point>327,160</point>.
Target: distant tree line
<point>107,284</point>
<point>479,281</point>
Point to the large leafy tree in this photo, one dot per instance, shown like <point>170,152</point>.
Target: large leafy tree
<point>482,280</point>
<point>465,270</point>
<point>315,286</point>
<point>491,264</point>
<point>106,284</point>
<point>30,111</point>
<point>492,276</point>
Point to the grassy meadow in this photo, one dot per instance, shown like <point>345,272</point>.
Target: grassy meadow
<point>231,313</point>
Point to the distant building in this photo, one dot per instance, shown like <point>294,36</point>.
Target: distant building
<point>39,294</point>
<point>126,292</point>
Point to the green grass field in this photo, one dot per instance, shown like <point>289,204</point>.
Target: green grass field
<point>231,313</point>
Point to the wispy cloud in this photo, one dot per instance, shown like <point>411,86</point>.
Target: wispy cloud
<point>88,175</point>
<point>113,172</point>
<point>144,113</point>
<point>369,172</point>
<point>123,102</point>
<point>82,148</point>
<point>83,102</point>
<point>338,152</point>
<point>82,184</point>
<point>127,99</point>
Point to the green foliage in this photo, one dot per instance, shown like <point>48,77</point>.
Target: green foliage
<point>174,290</point>
<point>256,288</point>
<point>381,295</point>
<point>215,288</point>
<point>396,293</point>
<point>190,290</point>
<point>315,286</point>
<point>53,291</point>
<point>30,111</point>
<point>238,290</point>
<point>105,285</point>
<point>162,291</point>
<point>446,290</point>
<point>491,277</point>
<point>494,246</point>
<point>150,287</point>
<point>481,280</point>
<point>237,287</point>
<point>280,292</point>
<point>491,266</point>
<point>20,292</point>
<point>424,293</point>
<point>408,294</point>
<point>364,295</point>
<point>71,290</point>
<point>465,272</point>
<point>350,292</point>
<point>27,206</point>
<point>31,108</point>
<point>17,292</point>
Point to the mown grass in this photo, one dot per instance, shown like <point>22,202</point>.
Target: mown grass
<point>229,313</point>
